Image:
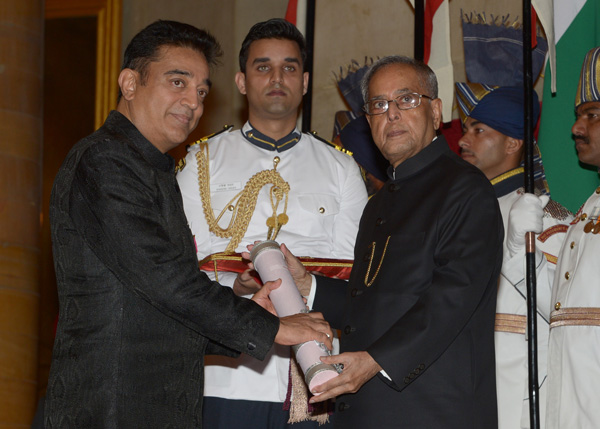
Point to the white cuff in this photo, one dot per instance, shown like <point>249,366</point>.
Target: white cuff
<point>310,299</point>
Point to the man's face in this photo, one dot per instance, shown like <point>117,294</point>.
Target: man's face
<point>401,134</point>
<point>586,132</point>
<point>484,147</point>
<point>167,106</point>
<point>274,82</point>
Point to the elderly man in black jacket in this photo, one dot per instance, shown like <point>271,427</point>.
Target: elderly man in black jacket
<point>418,321</point>
<point>136,314</point>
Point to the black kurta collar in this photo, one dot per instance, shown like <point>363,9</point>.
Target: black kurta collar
<point>421,160</point>
<point>161,161</point>
<point>265,142</point>
<point>508,182</point>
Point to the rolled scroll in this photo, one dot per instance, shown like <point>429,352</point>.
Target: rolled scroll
<point>270,264</point>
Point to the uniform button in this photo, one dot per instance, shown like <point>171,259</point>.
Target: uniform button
<point>276,159</point>
<point>393,187</point>
<point>348,329</point>
<point>406,380</point>
<point>572,244</point>
<point>584,216</point>
<point>557,306</point>
<point>598,190</point>
<point>321,210</point>
<point>356,292</point>
<point>422,366</point>
<point>567,275</point>
<point>417,370</point>
<point>379,221</point>
<point>250,134</point>
<point>230,207</point>
<point>251,346</point>
<point>367,257</point>
<point>411,375</point>
<point>343,406</point>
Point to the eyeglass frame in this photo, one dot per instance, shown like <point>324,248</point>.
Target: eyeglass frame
<point>364,107</point>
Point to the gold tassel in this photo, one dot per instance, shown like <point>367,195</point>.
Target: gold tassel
<point>299,403</point>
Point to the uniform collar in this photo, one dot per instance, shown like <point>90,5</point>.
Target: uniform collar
<point>265,142</point>
<point>508,182</point>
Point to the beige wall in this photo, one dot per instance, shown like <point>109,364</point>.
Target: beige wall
<point>345,30</point>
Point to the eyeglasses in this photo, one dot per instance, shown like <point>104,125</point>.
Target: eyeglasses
<point>407,101</point>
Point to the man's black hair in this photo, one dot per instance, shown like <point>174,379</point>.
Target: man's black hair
<point>275,28</point>
<point>145,47</point>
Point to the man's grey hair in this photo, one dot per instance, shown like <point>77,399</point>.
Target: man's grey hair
<point>427,78</point>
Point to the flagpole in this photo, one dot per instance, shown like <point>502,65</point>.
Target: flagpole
<point>310,43</point>
<point>534,406</point>
<point>419,47</point>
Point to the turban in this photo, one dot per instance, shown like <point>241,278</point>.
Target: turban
<point>589,82</point>
<point>501,108</point>
<point>356,137</point>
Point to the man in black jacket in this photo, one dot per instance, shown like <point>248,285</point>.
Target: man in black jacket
<point>136,314</point>
<point>418,321</point>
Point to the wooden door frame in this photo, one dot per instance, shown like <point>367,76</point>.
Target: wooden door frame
<point>108,46</point>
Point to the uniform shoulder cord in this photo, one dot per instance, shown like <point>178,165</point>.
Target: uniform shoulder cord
<point>243,203</point>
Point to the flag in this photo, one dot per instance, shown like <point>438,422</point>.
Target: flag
<point>565,11</point>
<point>296,14</point>
<point>437,53</point>
<point>576,30</point>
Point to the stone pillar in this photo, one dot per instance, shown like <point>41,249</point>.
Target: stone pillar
<point>21,75</point>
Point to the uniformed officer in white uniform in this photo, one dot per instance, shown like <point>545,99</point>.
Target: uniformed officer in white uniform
<point>307,195</point>
<point>493,141</point>
<point>574,349</point>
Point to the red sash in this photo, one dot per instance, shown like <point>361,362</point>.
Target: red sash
<point>233,262</point>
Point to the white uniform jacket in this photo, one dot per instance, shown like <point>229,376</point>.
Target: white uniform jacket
<point>326,199</point>
<point>574,350</point>
<point>511,347</point>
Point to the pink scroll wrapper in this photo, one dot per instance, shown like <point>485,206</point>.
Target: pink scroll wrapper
<point>270,264</point>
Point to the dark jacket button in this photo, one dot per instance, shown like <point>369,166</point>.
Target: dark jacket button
<point>343,406</point>
<point>251,346</point>
<point>406,380</point>
<point>348,329</point>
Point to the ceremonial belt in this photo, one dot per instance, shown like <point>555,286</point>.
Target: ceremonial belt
<point>234,263</point>
<point>576,316</point>
<point>513,323</point>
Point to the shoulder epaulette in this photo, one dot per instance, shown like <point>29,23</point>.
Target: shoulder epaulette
<point>181,164</point>
<point>210,136</point>
<point>333,145</point>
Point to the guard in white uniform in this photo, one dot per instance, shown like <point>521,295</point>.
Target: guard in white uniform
<point>267,181</point>
<point>493,141</point>
<point>574,350</point>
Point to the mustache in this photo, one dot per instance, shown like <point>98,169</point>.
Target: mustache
<point>582,138</point>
